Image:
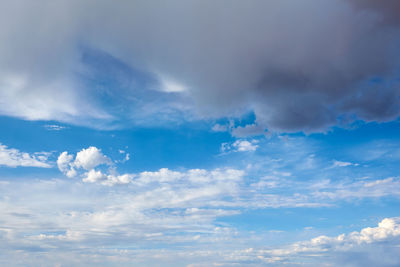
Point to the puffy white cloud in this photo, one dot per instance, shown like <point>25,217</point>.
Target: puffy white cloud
<point>90,158</point>
<point>244,145</point>
<point>93,176</point>
<point>12,157</point>
<point>65,164</point>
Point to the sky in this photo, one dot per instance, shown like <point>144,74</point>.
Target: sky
<point>200,133</point>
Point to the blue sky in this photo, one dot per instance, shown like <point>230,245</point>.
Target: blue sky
<point>190,134</point>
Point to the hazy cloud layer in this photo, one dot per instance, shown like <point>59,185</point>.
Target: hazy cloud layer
<point>165,221</point>
<point>299,65</point>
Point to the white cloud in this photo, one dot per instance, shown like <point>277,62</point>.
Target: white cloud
<point>93,176</point>
<point>90,158</point>
<point>65,164</point>
<point>387,229</point>
<point>244,145</point>
<point>54,127</point>
<point>12,157</point>
<point>337,163</point>
<point>240,146</point>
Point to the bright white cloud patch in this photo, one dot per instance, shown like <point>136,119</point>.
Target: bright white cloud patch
<point>90,158</point>
<point>85,163</point>
<point>12,157</point>
<point>65,164</point>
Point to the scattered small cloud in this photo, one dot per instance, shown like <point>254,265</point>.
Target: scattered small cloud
<point>220,128</point>
<point>240,146</point>
<point>126,158</point>
<point>55,127</point>
<point>337,163</point>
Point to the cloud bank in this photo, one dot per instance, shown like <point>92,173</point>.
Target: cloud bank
<point>300,66</point>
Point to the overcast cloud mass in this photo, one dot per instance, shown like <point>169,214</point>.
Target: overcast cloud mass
<point>299,65</point>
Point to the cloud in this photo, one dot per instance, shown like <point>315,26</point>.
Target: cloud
<point>337,163</point>
<point>302,66</point>
<point>12,157</point>
<point>220,128</point>
<point>388,230</point>
<point>248,130</point>
<point>240,146</point>
<point>54,127</point>
<point>94,176</point>
<point>358,190</point>
<point>65,164</point>
<point>90,158</point>
<point>174,222</point>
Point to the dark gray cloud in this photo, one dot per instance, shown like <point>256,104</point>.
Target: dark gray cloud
<point>299,65</point>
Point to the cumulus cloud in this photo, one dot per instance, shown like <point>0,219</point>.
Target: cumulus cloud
<point>300,66</point>
<point>65,164</point>
<point>94,176</point>
<point>90,158</point>
<point>387,230</point>
<point>12,157</point>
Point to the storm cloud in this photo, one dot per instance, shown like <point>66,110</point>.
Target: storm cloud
<point>298,65</point>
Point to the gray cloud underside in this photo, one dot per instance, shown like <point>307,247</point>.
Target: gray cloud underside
<point>300,65</point>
